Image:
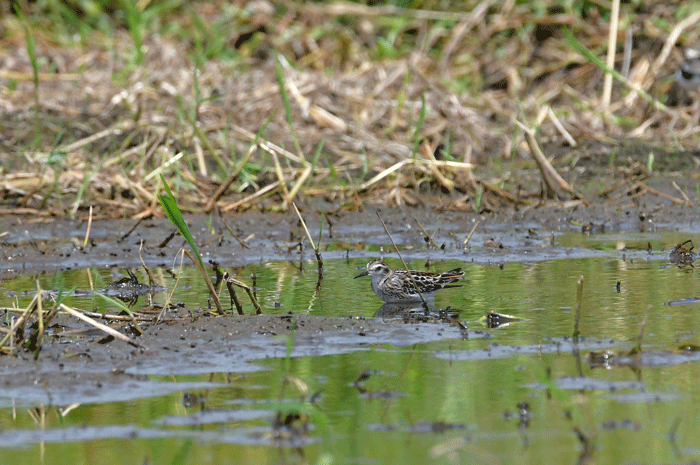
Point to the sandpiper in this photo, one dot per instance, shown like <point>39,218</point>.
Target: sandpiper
<point>688,74</point>
<point>396,286</point>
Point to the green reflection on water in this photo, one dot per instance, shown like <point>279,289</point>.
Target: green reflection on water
<point>473,395</point>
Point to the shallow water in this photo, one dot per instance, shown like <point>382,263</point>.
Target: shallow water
<point>449,401</point>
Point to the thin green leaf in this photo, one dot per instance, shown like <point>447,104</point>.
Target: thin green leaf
<point>590,56</point>
<point>419,125</point>
<point>285,102</point>
<point>117,303</point>
<point>175,216</point>
<point>61,296</point>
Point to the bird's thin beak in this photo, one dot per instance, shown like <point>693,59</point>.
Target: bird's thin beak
<point>364,273</point>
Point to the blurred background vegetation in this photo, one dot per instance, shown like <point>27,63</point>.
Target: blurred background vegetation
<point>259,103</point>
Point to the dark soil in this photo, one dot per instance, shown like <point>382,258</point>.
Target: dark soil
<point>93,369</point>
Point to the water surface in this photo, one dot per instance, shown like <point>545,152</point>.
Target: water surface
<point>515,396</point>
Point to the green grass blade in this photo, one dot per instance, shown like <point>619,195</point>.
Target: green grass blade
<point>61,296</point>
<point>590,56</point>
<point>135,23</point>
<point>87,178</point>
<point>60,285</point>
<point>31,51</point>
<point>287,106</point>
<point>117,303</point>
<point>175,216</point>
<point>317,155</point>
<point>419,125</point>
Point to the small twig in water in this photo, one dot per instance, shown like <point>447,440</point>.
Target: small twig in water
<point>427,236</point>
<point>151,281</point>
<point>221,217</point>
<point>232,293</point>
<point>100,326</point>
<point>234,281</point>
<point>89,226</point>
<point>133,228</point>
<point>319,259</point>
<point>466,241</point>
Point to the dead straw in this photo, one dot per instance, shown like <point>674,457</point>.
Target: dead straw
<point>21,321</point>
<point>87,233</point>
<point>663,195</point>
<point>319,258</point>
<point>549,175</point>
<point>172,291</point>
<point>428,238</point>
<point>40,313</point>
<point>466,241</point>
<point>363,113</point>
<point>683,194</point>
<point>612,45</point>
<point>114,333</point>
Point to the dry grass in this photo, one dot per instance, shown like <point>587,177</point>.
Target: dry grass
<point>385,104</point>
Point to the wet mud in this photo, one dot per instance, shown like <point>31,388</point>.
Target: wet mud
<point>31,246</point>
<point>93,368</point>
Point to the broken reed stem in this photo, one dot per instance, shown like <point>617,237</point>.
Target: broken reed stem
<point>319,259</point>
<point>89,226</point>
<point>253,300</point>
<point>280,178</point>
<point>471,233</point>
<point>300,182</point>
<point>40,313</point>
<point>211,203</point>
<point>430,239</point>
<point>685,197</point>
<point>212,291</point>
<point>550,176</point>
<point>402,261</point>
<point>44,323</point>
<point>258,310</point>
<point>641,330</point>
<point>612,44</point>
<point>663,195</point>
<point>232,293</point>
<point>21,321</point>
<point>100,326</point>
<point>319,282</point>
<point>579,301</point>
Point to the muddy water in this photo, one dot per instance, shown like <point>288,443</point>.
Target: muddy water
<point>207,390</point>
